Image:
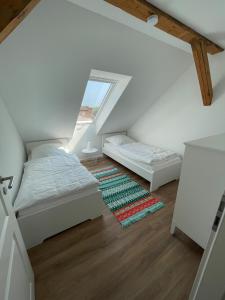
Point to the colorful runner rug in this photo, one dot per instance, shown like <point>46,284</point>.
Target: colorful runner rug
<point>128,200</point>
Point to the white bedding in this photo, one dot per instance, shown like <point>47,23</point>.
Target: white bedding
<point>40,206</point>
<point>49,178</point>
<point>146,153</point>
<point>114,149</point>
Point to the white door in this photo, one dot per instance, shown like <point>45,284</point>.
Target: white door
<point>210,279</point>
<point>16,275</point>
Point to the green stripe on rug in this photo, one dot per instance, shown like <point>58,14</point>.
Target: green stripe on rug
<point>114,190</point>
<point>106,173</point>
<point>127,200</point>
<point>118,180</point>
<point>123,194</point>
<point>119,191</point>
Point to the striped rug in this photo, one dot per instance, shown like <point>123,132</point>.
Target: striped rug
<point>128,200</point>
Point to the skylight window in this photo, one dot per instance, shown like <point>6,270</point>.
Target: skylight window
<point>95,95</point>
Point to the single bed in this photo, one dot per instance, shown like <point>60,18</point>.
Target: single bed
<point>157,173</point>
<point>56,193</point>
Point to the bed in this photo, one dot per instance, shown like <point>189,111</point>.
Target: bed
<point>56,193</point>
<point>158,172</point>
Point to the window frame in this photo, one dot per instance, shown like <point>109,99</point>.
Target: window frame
<point>105,99</point>
<point>109,92</point>
<point>119,83</point>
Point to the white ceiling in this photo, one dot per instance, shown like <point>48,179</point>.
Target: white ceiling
<point>205,16</point>
<point>45,64</point>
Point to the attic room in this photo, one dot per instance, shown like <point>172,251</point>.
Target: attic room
<point>112,152</point>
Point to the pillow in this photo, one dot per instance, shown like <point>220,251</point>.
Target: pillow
<point>119,139</point>
<point>45,150</point>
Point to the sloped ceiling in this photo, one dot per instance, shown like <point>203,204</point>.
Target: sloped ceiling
<point>45,63</point>
<point>205,16</point>
<point>113,13</point>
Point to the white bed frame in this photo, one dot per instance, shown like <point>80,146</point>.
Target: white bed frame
<point>156,178</point>
<point>43,224</point>
<point>38,226</point>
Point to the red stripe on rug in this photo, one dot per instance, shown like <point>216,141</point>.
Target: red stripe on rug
<point>134,204</point>
<point>102,170</point>
<point>136,209</point>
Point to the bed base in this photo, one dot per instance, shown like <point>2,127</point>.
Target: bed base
<point>156,178</point>
<point>39,226</point>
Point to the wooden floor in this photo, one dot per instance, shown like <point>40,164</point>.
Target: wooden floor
<point>101,261</point>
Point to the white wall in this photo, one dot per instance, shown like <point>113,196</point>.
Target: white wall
<point>81,136</point>
<point>12,153</point>
<point>180,116</point>
<point>45,64</point>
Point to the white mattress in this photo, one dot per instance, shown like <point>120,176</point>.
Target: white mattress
<point>114,149</point>
<point>50,180</point>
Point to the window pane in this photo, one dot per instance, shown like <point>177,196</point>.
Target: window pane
<point>95,93</point>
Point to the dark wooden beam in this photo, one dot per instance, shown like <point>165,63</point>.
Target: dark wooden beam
<point>143,9</point>
<point>12,13</point>
<point>203,70</point>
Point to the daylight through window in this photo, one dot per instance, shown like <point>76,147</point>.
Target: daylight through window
<point>96,93</point>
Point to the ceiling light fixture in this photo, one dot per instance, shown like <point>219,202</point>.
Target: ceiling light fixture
<point>153,20</point>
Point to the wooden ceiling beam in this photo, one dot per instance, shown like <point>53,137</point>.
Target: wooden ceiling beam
<point>142,9</point>
<point>12,13</point>
<point>203,70</point>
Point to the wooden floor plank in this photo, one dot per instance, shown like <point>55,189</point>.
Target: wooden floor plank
<point>99,260</point>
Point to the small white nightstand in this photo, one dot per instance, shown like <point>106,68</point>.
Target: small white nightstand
<point>90,152</point>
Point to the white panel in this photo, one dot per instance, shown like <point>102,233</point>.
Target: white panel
<point>209,281</point>
<point>16,275</point>
<point>3,217</point>
<point>18,283</point>
<point>200,190</point>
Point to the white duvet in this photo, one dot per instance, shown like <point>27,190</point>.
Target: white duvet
<point>51,177</point>
<point>146,153</point>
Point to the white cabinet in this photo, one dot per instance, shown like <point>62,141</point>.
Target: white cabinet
<point>201,187</point>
